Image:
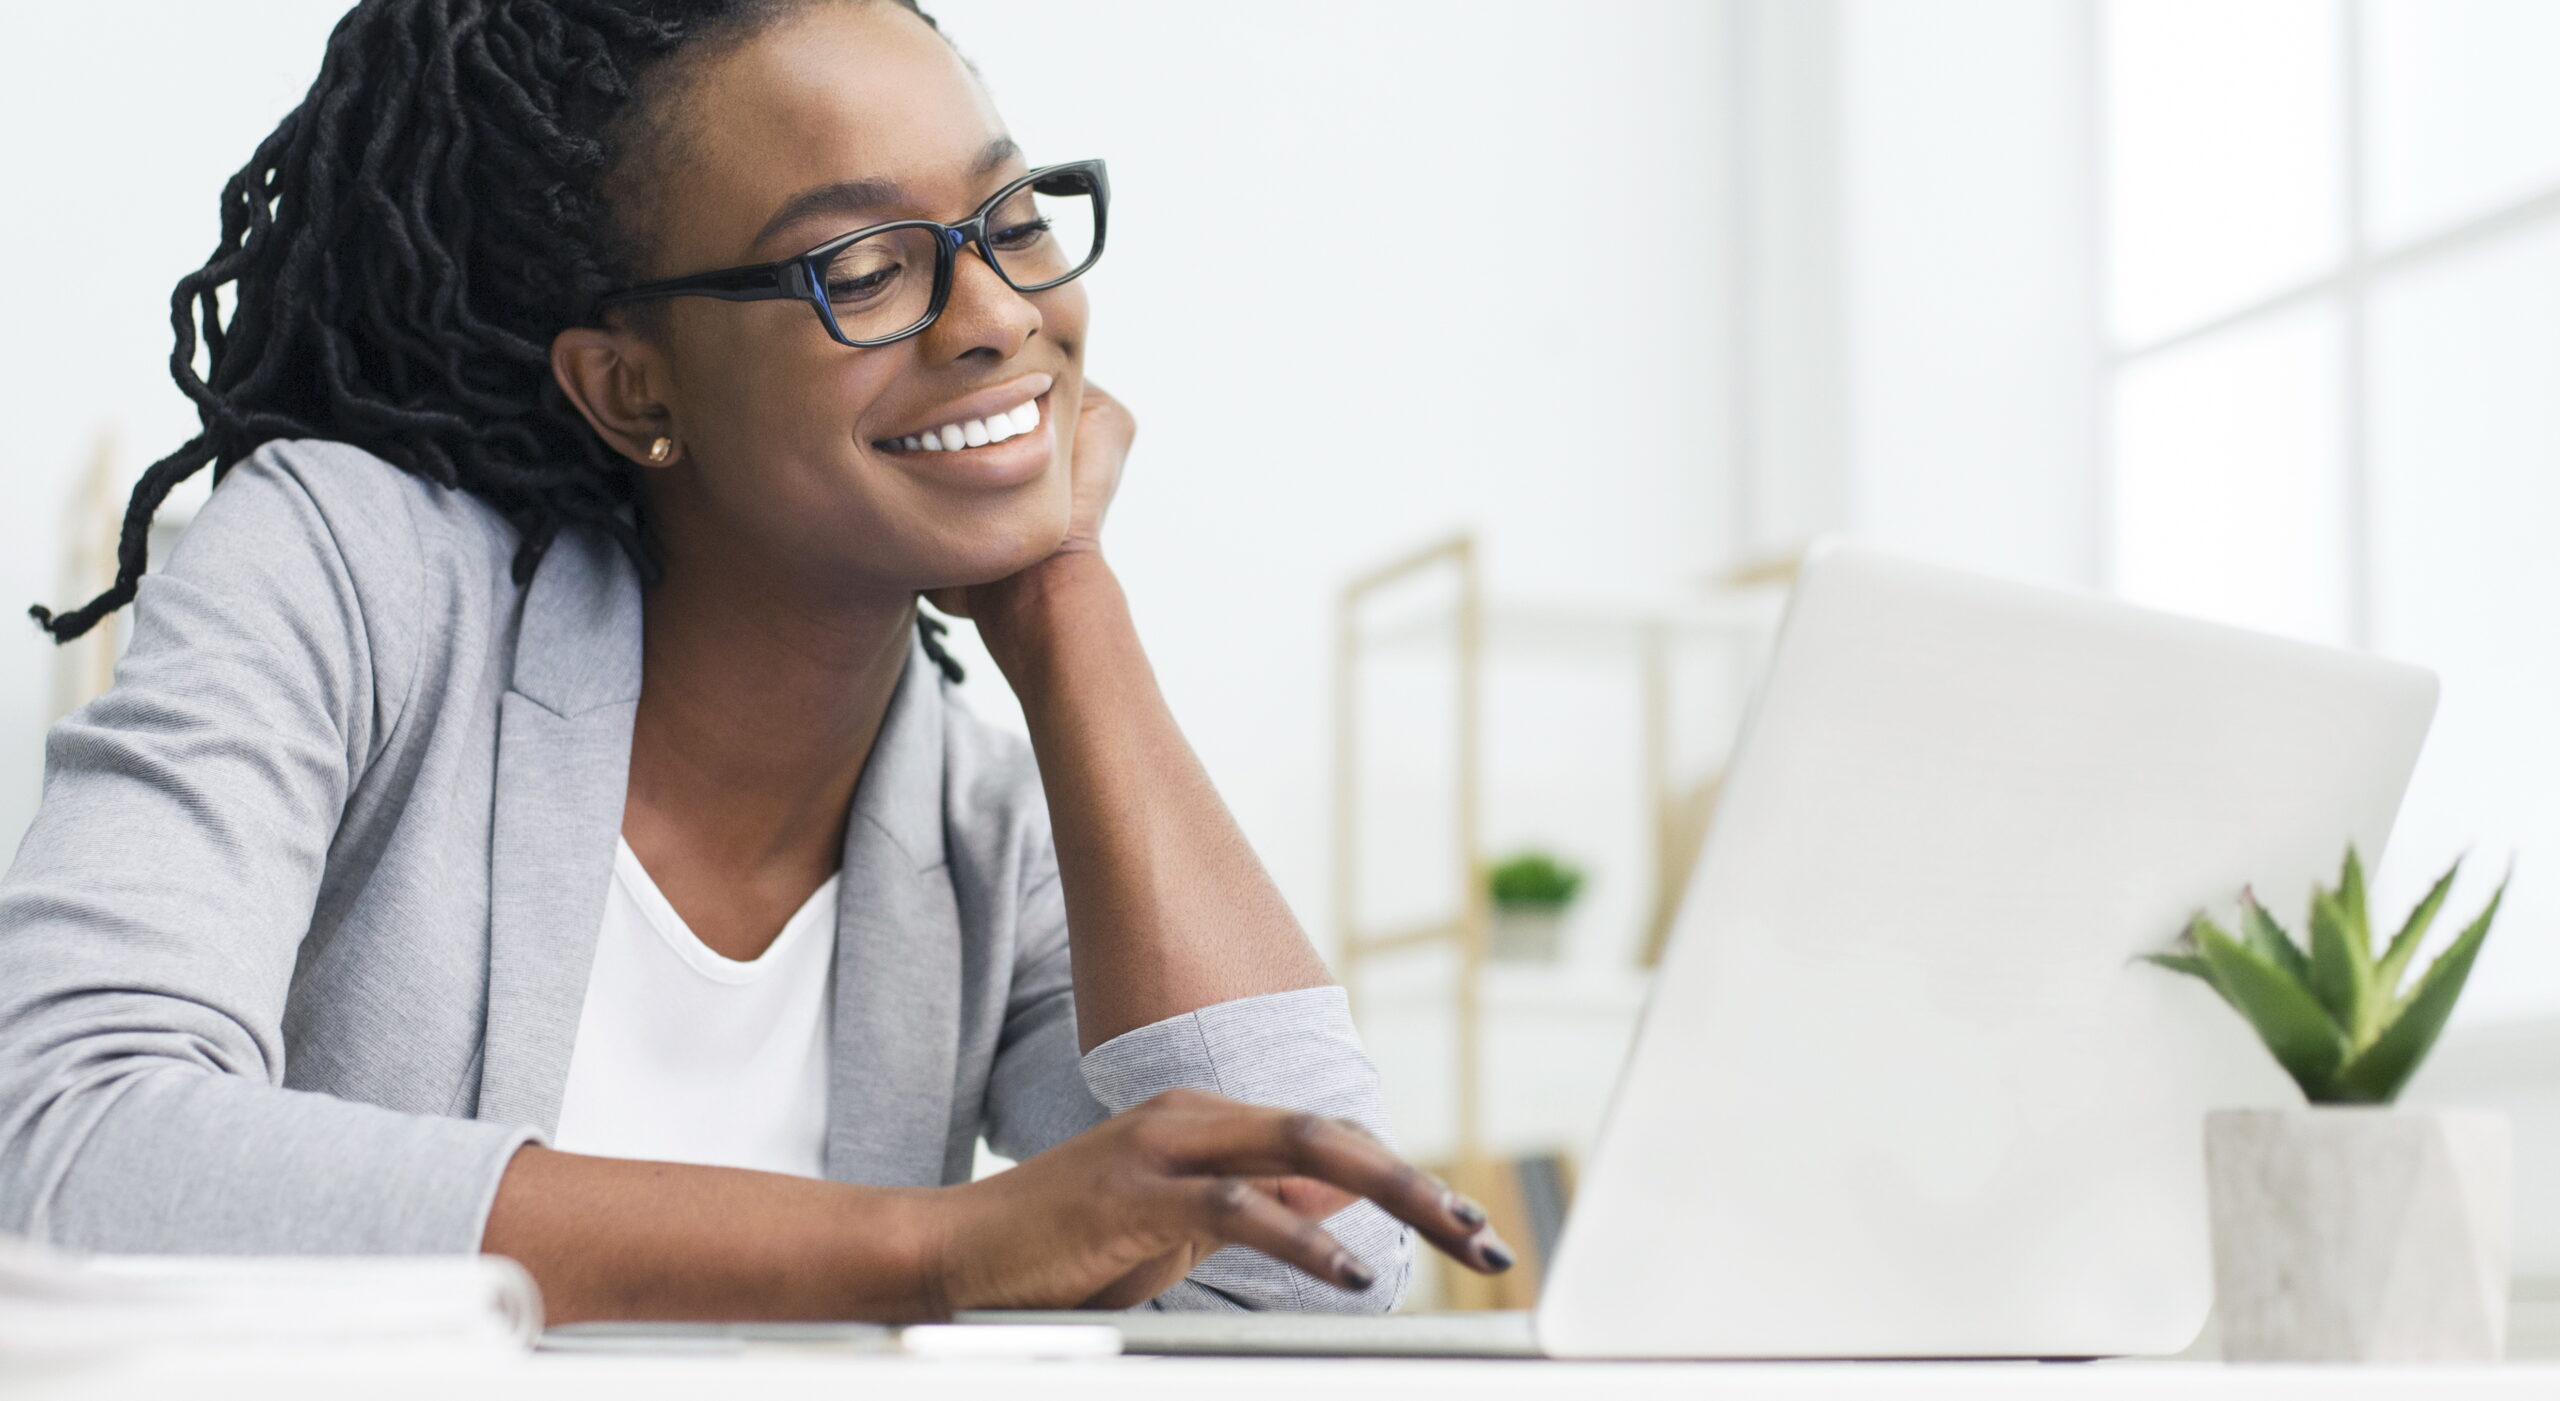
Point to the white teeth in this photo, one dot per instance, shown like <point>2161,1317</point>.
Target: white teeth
<point>976,432</point>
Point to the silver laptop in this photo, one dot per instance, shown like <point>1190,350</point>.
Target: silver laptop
<point>1900,1090</point>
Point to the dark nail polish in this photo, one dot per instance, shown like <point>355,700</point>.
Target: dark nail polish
<point>1496,1254</point>
<point>1468,1213</point>
<point>1356,1275</point>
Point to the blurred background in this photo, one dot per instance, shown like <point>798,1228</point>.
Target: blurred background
<point>1592,316</point>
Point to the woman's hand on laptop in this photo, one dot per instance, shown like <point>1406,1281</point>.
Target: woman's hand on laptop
<point>1117,1215</point>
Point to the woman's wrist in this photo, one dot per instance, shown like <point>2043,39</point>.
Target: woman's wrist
<point>1021,616</point>
<point>894,1254</point>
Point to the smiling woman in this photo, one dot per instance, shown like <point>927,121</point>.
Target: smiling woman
<point>560,840</point>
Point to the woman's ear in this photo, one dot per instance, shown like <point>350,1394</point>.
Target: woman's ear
<point>615,378</point>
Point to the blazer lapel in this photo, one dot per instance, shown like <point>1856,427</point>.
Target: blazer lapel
<point>897,970</point>
<point>563,768</point>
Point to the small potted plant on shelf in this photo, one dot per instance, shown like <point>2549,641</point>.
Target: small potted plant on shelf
<point>1530,893</point>
<point>2349,1230</point>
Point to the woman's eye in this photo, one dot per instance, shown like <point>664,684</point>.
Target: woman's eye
<point>1015,237</point>
<point>862,287</point>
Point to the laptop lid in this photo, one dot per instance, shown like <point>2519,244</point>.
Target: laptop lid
<point>1899,1091</point>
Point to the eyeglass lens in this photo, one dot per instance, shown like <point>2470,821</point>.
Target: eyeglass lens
<point>881,285</point>
<point>1041,234</point>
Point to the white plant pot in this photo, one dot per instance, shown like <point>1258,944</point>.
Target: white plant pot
<point>2356,1234</point>
<point>1527,933</point>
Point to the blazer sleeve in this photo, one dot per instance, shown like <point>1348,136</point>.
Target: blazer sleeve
<point>150,922</point>
<point>1294,1050</point>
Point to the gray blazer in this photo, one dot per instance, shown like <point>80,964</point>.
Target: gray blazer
<point>292,957</point>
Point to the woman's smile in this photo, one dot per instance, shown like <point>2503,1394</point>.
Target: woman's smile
<point>997,437</point>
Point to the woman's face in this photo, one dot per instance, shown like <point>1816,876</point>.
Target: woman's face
<point>837,117</point>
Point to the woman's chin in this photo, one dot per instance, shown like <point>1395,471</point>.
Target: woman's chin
<point>1000,559</point>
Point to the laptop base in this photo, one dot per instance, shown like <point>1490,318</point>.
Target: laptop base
<point>1506,1334</point>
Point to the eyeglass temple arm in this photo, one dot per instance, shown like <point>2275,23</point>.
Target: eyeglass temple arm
<point>763,283</point>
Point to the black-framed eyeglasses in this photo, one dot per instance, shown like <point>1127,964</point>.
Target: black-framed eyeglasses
<point>889,281</point>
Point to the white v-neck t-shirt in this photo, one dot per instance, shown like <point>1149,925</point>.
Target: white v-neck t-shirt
<point>685,1056</point>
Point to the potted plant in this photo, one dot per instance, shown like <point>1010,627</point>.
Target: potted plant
<point>2349,1230</point>
<point>1530,893</point>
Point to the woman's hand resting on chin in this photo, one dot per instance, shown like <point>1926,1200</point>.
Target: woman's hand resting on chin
<point>1103,431</point>
<point>1120,1213</point>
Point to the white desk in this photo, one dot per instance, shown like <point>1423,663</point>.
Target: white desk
<point>783,1376</point>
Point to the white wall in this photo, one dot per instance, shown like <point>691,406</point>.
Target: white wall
<point>1921,316</point>
<point>1971,283</point>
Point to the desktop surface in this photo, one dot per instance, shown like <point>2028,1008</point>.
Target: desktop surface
<point>784,1373</point>
<point>780,1373</point>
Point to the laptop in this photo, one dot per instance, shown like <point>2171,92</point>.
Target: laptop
<point>1900,1089</point>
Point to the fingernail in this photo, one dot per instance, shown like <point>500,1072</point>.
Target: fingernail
<point>1354,1274</point>
<point>1495,1253</point>
<point>1468,1213</point>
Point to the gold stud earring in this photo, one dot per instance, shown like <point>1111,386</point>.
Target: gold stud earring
<point>662,452</point>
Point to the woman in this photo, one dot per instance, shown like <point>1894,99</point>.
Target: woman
<point>527,818</point>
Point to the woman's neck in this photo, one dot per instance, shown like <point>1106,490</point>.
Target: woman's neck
<point>759,705</point>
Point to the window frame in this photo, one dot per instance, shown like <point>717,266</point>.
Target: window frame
<point>2349,285</point>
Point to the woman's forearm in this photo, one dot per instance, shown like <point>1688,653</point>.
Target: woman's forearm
<point>1110,1218</point>
<point>610,1238</point>
<point>1168,909</point>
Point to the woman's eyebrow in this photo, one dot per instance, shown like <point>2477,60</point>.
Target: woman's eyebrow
<point>865,195</point>
<point>994,156</point>
<point>842,197</point>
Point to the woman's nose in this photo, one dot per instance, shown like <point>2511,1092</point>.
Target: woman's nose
<point>984,312</point>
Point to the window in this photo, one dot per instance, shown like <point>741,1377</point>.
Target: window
<point>2334,296</point>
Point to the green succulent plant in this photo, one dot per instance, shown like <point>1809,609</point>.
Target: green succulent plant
<point>2335,1015</point>
<point>1534,878</point>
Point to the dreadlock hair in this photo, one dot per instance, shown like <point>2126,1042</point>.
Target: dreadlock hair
<point>401,250</point>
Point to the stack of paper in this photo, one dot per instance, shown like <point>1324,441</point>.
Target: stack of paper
<point>54,1303</point>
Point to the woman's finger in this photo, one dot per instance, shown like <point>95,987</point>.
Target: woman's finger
<point>1221,1137</point>
<point>1234,1211</point>
<point>1306,1196</point>
<point>1099,453</point>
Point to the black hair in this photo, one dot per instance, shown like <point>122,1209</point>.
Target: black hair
<point>401,250</point>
